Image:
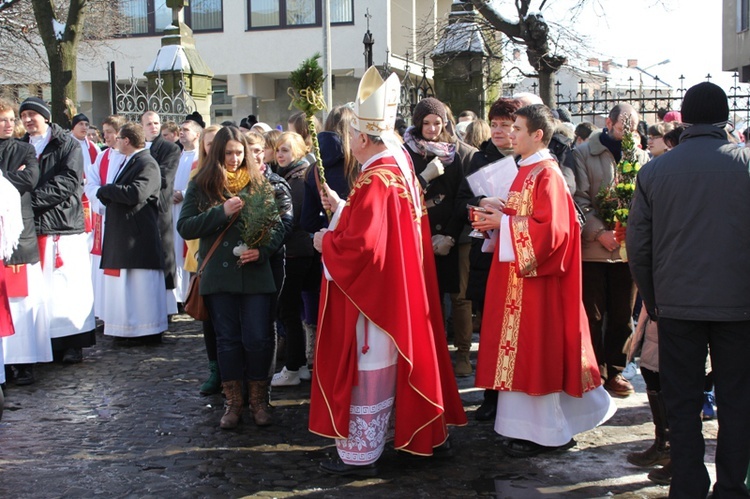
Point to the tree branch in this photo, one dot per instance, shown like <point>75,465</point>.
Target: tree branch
<point>74,24</point>
<point>500,23</point>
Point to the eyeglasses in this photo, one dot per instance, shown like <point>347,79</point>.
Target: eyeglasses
<point>12,121</point>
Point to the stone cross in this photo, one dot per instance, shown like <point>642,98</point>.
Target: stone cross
<point>177,15</point>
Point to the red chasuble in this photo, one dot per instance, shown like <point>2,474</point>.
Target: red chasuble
<point>535,336</point>
<point>381,262</point>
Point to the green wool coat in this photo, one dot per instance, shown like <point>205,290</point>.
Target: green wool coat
<point>222,275</point>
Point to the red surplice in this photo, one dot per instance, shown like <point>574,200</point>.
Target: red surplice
<point>381,263</point>
<point>535,337</point>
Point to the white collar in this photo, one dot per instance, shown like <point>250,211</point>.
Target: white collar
<point>536,157</point>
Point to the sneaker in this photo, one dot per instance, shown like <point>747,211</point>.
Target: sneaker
<point>709,403</point>
<point>304,373</point>
<point>285,378</point>
<point>619,386</point>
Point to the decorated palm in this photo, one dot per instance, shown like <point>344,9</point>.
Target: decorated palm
<point>307,96</point>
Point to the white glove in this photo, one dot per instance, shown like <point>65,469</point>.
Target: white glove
<point>433,170</point>
<point>441,245</point>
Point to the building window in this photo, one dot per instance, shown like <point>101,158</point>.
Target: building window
<point>265,14</point>
<point>150,17</point>
<point>743,15</point>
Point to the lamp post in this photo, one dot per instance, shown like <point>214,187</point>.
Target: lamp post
<point>368,41</point>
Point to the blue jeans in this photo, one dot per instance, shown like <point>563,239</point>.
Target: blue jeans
<point>244,342</point>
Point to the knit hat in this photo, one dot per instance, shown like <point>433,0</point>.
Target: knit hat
<point>425,107</point>
<point>705,103</point>
<point>196,117</point>
<point>248,122</point>
<point>38,105</point>
<point>673,116</point>
<point>79,118</point>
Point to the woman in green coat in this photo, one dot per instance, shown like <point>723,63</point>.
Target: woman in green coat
<point>237,282</point>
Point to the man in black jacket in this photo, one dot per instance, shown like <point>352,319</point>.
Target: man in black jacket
<point>167,155</point>
<point>687,239</point>
<point>30,344</point>
<point>63,244</point>
<point>132,256</point>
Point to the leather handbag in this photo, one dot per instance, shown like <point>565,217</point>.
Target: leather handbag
<point>195,305</point>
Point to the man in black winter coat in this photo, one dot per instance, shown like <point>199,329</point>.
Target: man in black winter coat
<point>687,239</point>
<point>63,243</point>
<point>167,154</point>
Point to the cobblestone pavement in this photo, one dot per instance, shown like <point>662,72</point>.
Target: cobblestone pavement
<point>129,422</point>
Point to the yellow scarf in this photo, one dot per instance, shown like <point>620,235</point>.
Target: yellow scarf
<point>237,180</point>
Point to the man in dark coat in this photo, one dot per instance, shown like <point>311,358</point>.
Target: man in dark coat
<point>63,243</point>
<point>132,256</point>
<point>167,155</point>
<point>687,237</point>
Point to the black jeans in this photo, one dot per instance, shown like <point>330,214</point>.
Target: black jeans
<point>609,297</point>
<point>683,346</point>
<point>302,274</point>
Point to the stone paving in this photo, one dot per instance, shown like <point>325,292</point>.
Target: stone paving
<point>129,422</point>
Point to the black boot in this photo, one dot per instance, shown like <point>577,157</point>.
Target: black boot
<point>488,409</point>
<point>658,453</point>
<point>2,403</point>
<point>25,374</point>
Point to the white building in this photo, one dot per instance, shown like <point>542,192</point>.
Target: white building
<point>253,45</point>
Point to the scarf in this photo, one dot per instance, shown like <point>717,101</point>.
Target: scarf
<point>614,146</point>
<point>237,180</point>
<point>443,150</point>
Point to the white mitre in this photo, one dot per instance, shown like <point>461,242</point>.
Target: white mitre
<point>375,110</point>
<point>376,105</point>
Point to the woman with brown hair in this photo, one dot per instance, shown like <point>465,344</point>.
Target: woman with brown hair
<point>237,291</point>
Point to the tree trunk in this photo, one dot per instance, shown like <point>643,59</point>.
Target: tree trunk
<point>62,49</point>
<point>63,79</point>
<point>547,87</point>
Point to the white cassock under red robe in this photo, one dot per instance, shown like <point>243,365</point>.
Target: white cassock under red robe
<point>381,345</point>
<point>535,347</point>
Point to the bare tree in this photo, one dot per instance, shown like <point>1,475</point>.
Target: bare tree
<point>46,37</point>
<point>532,31</point>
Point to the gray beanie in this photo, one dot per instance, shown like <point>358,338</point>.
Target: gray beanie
<point>705,103</point>
<point>38,105</point>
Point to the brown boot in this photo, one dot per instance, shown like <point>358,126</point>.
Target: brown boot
<point>658,453</point>
<point>258,402</point>
<point>663,475</point>
<point>463,364</point>
<point>233,413</point>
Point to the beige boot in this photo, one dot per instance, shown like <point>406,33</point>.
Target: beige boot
<point>259,402</point>
<point>233,413</point>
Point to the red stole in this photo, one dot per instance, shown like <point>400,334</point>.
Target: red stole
<point>16,280</point>
<point>42,241</point>
<point>88,220</point>
<point>6,321</point>
<point>381,262</point>
<point>96,249</point>
<point>535,337</point>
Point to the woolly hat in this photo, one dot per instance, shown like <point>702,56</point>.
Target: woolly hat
<point>38,105</point>
<point>673,116</point>
<point>196,117</point>
<point>425,107</point>
<point>79,118</point>
<point>705,103</point>
<point>248,122</point>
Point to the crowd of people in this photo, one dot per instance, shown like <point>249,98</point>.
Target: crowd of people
<point>353,277</point>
